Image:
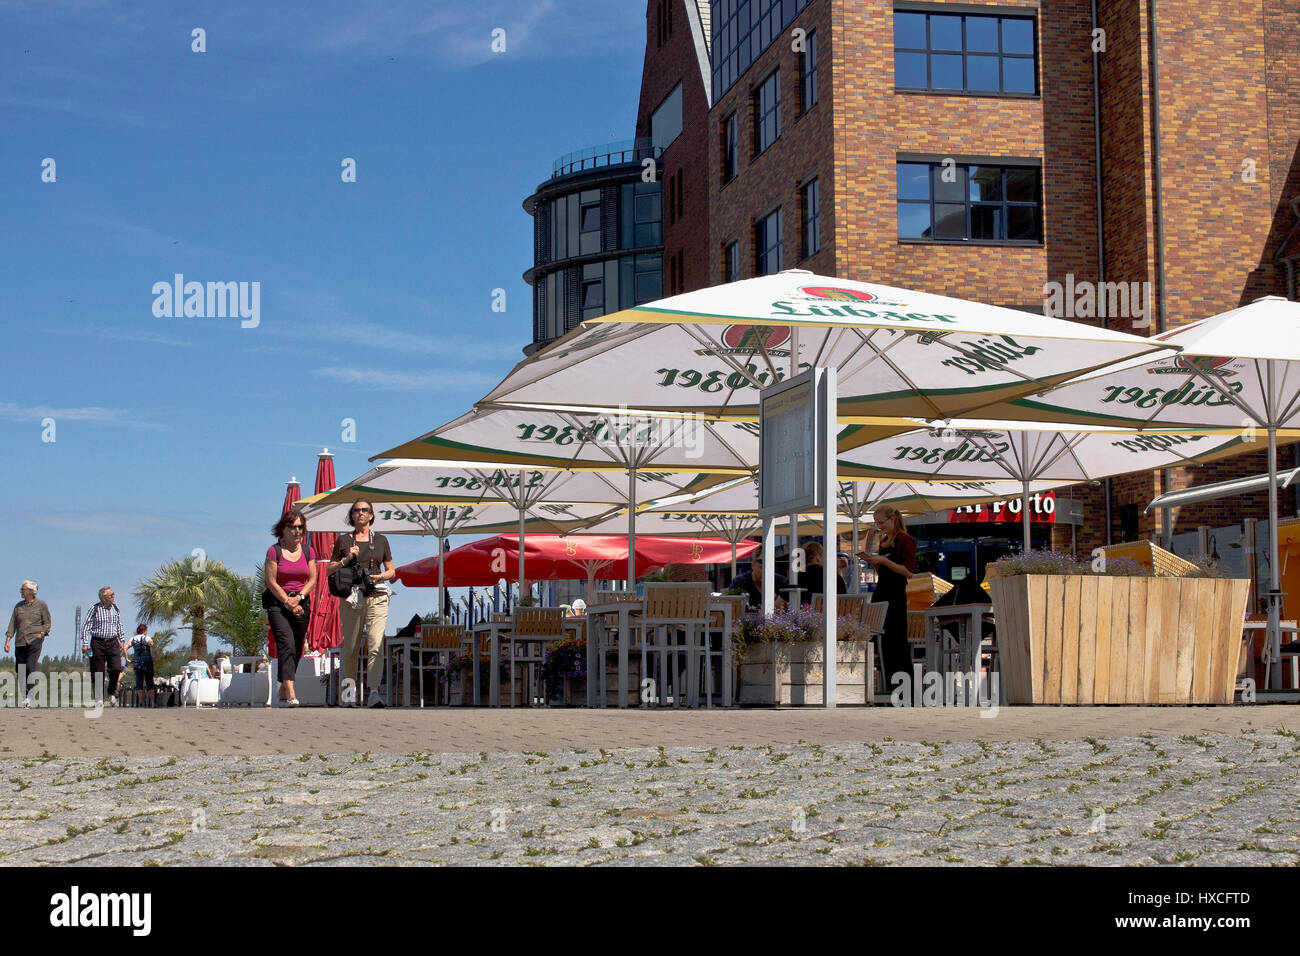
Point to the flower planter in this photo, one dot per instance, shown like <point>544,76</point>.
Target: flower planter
<point>461,693</point>
<point>791,673</point>
<point>1085,639</point>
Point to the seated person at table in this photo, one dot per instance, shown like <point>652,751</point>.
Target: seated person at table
<point>812,579</point>
<point>751,583</point>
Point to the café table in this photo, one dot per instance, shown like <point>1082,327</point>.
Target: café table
<point>392,647</point>
<point>625,611</point>
<point>494,630</point>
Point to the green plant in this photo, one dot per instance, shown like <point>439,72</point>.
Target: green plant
<point>186,588</point>
<point>566,658</point>
<point>794,626</point>
<point>238,616</point>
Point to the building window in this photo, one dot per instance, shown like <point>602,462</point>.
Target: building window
<point>742,30</point>
<point>767,112</point>
<point>953,203</point>
<point>641,218</point>
<point>808,75</point>
<point>767,244</point>
<point>661,26</point>
<point>589,223</point>
<point>810,231</point>
<point>731,262</point>
<point>730,148</point>
<point>945,52</point>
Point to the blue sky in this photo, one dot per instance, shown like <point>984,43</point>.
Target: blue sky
<point>178,433</point>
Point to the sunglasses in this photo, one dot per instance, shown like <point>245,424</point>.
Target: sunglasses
<point>362,511</point>
<point>296,527</point>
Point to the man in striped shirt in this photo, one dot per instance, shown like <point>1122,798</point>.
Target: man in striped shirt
<point>103,636</point>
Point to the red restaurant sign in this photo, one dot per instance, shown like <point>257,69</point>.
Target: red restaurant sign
<point>1042,510</point>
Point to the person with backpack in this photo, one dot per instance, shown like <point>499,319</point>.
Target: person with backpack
<point>360,568</point>
<point>290,574</point>
<point>103,637</point>
<point>142,658</point>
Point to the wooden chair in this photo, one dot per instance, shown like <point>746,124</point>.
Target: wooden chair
<point>847,605</point>
<point>439,643</point>
<point>533,629</point>
<point>673,609</point>
<point>721,623</point>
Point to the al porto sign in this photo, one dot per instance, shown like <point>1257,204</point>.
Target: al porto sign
<point>1042,510</point>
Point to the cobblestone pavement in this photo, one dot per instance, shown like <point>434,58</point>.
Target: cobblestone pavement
<point>1204,798</point>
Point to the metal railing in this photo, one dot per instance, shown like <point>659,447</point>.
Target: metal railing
<point>609,154</point>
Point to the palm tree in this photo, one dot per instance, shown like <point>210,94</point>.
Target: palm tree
<point>184,588</point>
<point>239,617</point>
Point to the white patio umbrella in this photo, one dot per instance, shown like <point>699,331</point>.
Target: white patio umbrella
<point>419,481</point>
<point>1026,452</point>
<point>442,521</point>
<point>1239,369</point>
<point>897,352</point>
<point>597,443</point>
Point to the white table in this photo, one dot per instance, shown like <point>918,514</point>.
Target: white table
<point>405,645</point>
<point>253,660</point>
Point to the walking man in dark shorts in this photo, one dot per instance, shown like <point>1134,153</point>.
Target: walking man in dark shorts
<point>103,636</point>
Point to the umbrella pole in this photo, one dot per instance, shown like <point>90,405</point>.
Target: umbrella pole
<point>1274,569</point>
<point>1024,490</point>
<point>521,534</point>
<point>442,591</point>
<point>856,585</point>
<point>631,528</point>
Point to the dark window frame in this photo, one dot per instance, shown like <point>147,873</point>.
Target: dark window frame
<point>730,146</point>
<point>1003,204</point>
<point>810,242</point>
<point>930,51</point>
<point>731,261</point>
<point>808,73</point>
<point>771,81</point>
<point>763,251</point>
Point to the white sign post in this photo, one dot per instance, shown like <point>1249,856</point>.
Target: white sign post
<point>797,436</point>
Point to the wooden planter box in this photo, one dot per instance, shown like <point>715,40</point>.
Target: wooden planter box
<point>1083,639</point>
<point>461,690</point>
<point>780,673</point>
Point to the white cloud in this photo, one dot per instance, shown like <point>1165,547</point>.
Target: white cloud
<point>10,411</point>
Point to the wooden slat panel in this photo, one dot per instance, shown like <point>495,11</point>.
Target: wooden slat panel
<point>1070,632</point>
<point>1184,668</point>
<point>1036,609</point>
<point>1118,692</point>
<point>1148,644</point>
<point>1223,656</point>
<point>1238,596</point>
<point>1009,604</point>
<point>1166,592</point>
<point>1087,662</point>
<point>1135,649</point>
<point>1101,677</point>
<point>1204,638</point>
<point>1052,644</point>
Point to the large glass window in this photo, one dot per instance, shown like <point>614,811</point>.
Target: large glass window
<point>955,203</point>
<point>810,231</point>
<point>767,244</point>
<point>641,219</point>
<point>808,75</point>
<point>731,262</point>
<point>742,30</point>
<point>957,52</point>
<point>666,120</point>
<point>589,222</point>
<point>767,112</point>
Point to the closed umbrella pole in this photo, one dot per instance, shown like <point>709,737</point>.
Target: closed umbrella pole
<point>631,528</point>
<point>1274,563</point>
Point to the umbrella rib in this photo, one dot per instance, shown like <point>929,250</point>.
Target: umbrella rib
<point>719,353</point>
<point>938,412</point>
<point>1003,366</point>
<point>875,353</point>
<point>740,459</point>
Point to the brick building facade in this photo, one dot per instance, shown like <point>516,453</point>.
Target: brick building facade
<point>1198,137</point>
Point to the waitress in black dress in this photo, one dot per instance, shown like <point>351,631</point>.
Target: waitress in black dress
<point>895,562</point>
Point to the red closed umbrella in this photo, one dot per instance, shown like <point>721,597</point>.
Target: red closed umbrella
<point>323,631</point>
<point>553,557</point>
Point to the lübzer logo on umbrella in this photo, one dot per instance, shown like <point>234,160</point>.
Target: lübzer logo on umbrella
<point>1190,364</point>
<point>751,340</point>
<point>831,292</point>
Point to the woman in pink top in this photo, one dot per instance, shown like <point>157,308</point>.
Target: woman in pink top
<point>290,572</point>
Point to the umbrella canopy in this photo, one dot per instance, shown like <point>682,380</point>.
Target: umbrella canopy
<point>446,520</point>
<point>323,630</point>
<point>552,557</point>
<point>897,352</point>
<point>1239,369</point>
